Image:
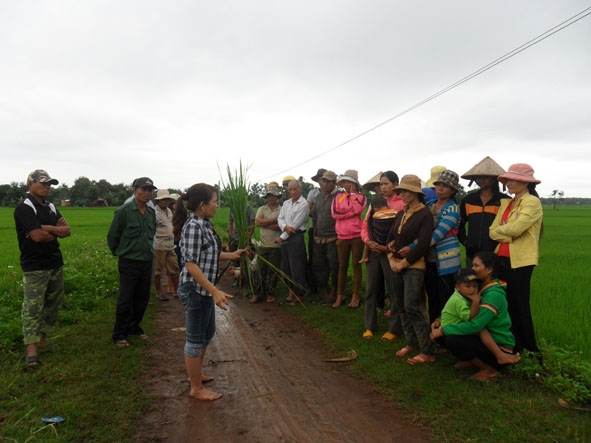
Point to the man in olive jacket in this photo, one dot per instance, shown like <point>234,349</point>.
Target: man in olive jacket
<point>131,238</point>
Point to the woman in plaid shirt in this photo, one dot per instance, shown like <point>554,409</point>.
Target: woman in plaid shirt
<point>200,254</point>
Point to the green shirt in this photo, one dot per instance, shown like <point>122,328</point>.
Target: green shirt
<point>456,310</point>
<point>493,315</point>
<point>131,234</point>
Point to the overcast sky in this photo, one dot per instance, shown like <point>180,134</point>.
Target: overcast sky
<point>175,89</point>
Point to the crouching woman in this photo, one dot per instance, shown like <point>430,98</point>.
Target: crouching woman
<point>200,254</point>
<point>463,339</point>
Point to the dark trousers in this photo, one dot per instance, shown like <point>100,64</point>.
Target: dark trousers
<point>439,288</point>
<point>518,295</point>
<point>311,260</point>
<point>135,280</point>
<point>326,264</point>
<point>268,274</point>
<point>294,262</point>
<point>378,275</point>
<point>468,347</point>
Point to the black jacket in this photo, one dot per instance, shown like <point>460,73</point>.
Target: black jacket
<point>479,217</point>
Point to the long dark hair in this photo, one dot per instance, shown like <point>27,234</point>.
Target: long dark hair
<point>190,201</point>
<point>392,176</point>
<point>531,188</point>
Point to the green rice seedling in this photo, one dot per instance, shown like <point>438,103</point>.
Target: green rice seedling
<point>236,194</point>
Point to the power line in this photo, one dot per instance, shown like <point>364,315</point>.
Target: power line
<point>559,27</point>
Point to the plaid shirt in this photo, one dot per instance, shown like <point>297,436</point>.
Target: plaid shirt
<point>200,246</point>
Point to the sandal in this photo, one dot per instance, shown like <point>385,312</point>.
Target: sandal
<point>388,336</point>
<point>462,365</point>
<point>122,343</point>
<point>404,352</point>
<point>479,376</point>
<point>254,300</point>
<point>421,359</point>
<point>32,361</point>
<point>270,299</point>
<point>368,334</point>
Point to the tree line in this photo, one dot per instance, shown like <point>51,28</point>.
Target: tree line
<point>86,192</point>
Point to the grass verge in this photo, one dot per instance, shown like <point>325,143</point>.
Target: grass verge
<point>85,379</point>
<point>518,406</point>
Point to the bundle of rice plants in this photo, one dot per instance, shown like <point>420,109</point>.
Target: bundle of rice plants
<point>236,195</point>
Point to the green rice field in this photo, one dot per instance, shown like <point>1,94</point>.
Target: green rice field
<point>560,287</point>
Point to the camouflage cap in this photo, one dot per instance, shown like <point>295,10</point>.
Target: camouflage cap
<point>41,176</point>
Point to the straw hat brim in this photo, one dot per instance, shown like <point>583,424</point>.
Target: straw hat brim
<point>487,167</point>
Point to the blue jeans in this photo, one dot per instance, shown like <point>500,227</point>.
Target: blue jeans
<point>199,319</point>
<point>408,288</point>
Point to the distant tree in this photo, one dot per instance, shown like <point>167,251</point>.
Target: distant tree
<point>256,194</point>
<point>83,192</point>
<point>556,196</point>
<point>306,187</point>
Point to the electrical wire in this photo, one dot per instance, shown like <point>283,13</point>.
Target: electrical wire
<point>559,27</point>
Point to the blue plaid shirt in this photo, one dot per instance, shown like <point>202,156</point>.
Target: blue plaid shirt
<point>199,245</point>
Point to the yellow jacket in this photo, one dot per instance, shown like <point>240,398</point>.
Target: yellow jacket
<point>522,230</point>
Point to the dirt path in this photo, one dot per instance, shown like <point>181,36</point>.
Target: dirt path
<point>276,387</point>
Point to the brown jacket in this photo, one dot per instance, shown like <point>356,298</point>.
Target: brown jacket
<point>415,229</point>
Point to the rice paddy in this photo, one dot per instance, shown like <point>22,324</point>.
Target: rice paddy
<point>560,285</point>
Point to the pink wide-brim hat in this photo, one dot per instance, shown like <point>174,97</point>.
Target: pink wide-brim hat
<point>521,172</point>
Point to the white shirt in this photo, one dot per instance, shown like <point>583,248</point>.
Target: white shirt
<point>294,214</point>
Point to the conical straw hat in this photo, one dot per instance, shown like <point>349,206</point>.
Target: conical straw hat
<point>372,182</point>
<point>487,167</point>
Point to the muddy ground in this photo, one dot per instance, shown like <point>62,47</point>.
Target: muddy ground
<point>275,385</point>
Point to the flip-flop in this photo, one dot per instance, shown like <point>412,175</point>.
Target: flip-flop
<point>421,360</point>
<point>32,361</point>
<point>462,365</point>
<point>404,352</point>
<point>484,378</point>
<point>388,336</point>
<point>122,343</point>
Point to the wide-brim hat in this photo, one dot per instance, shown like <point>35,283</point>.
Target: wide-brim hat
<point>350,175</point>
<point>163,194</point>
<point>521,172</point>
<point>410,183</point>
<point>318,174</point>
<point>272,189</point>
<point>449,178</point>
<point>372,182</point>
<point>435,171</point>
<point>41,176</point>
<point>486,167</point>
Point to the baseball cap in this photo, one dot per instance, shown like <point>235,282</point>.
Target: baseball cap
<point>41,176</point>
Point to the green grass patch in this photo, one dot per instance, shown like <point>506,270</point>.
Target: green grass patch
<point>96,387</point>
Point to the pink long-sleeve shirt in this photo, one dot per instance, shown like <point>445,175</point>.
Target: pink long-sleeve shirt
<point>346,210</point>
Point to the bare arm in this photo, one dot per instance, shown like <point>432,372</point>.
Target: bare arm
<point>61,230</point>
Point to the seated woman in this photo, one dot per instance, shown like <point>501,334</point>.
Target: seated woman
<point>463,340</point>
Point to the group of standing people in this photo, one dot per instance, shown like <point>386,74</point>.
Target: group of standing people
<point>412,247</point>
<point>501,236</point>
